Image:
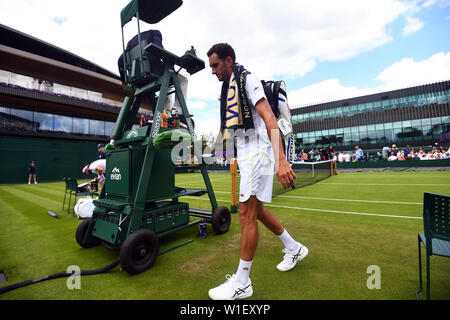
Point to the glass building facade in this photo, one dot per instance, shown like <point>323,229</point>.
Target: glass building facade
<point>415,116</point>
<point>26,120</point>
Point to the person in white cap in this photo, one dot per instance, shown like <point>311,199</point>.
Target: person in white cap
<point>97,167</point>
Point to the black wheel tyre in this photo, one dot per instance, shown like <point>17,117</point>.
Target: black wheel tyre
<point>221,220</point>
<point>139,251</point>
<point>81,233</point>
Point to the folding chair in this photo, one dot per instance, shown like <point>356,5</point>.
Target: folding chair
<point>66,190</point>
<point>436,236</point>
<point>72,189</point>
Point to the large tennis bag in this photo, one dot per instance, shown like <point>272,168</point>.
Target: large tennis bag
<point>275,92</point>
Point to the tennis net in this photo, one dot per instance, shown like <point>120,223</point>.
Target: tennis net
<point>306,173</point>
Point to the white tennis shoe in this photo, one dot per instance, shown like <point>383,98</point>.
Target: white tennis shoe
<point>291,258</point>
<point>231,289</point>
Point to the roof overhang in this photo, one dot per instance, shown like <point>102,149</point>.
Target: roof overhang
<point>30,64</point>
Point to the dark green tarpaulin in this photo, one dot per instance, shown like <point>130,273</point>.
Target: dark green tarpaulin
<point>150,11</point>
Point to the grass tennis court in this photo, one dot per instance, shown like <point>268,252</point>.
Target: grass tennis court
<point>349,222</point>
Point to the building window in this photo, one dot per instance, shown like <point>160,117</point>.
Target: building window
<point>427,133</point>
<point>81,125</point>
<point>389,134</point>
<point>24,114</point>
<point>44,120</point>
<point>62,123</point>
<point>379,136</point>
<point>97,127</point>
<point>109,127</point>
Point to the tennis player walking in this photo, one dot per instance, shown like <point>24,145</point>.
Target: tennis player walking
<point>259,151</point>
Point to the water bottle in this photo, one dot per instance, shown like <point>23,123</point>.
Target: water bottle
<point>202,229</point>
<point>53,214</point>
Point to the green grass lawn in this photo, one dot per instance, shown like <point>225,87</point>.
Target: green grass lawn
<point>349,222</point>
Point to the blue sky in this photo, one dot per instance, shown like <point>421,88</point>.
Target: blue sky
<point>361,70</point>
<point>324,49</point>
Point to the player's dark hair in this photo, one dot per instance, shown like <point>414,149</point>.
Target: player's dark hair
<point>222,50</point>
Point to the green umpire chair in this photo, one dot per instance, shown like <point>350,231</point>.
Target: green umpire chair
<point>436,236</point>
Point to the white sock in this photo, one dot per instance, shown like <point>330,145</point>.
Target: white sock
<point>243,272</point>
<point>288,241</point>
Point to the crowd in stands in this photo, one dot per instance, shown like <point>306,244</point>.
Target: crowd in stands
<point>395,154</point>
<point>387,154</point>
<point>315,155</point>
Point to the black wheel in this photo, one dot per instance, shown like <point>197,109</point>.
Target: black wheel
<point>139,251</point>
<point>81,233</point>
<point>221,220</point>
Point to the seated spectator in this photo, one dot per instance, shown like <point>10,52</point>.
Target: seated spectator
<point>359,154</point>
<point>438,154</point>
<point>341,157</point>
<point>331,152</point>
<point>406,151</point>
<point>401,155</point>
<point>311,154</point>
<point>411,155</point>
<point>385,152</point>
<point>447,154</point>
<point>415,156</point>
<point>421,150</point>
<point>394,149</point>
<point>324,155</point>
<point>347,157</point>
<point>379,156</point>
<point>392,157</point>
<point>304,156</point>
<point>424,156</point>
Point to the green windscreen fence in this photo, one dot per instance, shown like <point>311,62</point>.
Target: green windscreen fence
<point>54,158</point>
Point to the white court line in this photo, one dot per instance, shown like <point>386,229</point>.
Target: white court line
<point>345,212</point>
<point>351,200</point>
<point>322,210</point>
<point>384,184</point>
<point>333,199</point>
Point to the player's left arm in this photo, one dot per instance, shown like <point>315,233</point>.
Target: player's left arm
<point>285,174</point>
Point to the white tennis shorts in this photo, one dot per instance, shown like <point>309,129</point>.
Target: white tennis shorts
<point>256,177</point>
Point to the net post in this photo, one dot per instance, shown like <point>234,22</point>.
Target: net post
<point>233,173</point>
<point>331,167</point>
